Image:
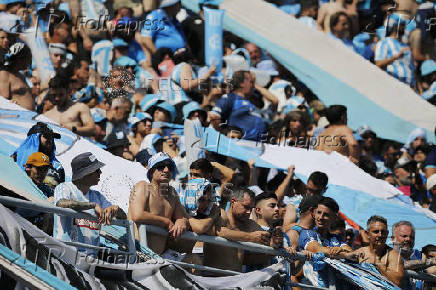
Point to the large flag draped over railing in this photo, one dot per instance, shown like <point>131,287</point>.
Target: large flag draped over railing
<point>332,71</point>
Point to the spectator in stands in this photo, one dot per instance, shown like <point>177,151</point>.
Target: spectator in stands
<point>255,53</point>
<point>13,85</point>
<point>340,28</point>
<point>58,52</point>
<point>430,253</point>
<point>73,116</point>
<point>235,225</point>
<point>326,11</point>
<point>309,13</point>
<point>141,127</point>
<point>428,82</point>
<point>416,138</point>
<point>77,195</point>
<point>40,138</point>
<point>316,185</point>
<point>118,115</point>
<point>319,239</point>
<point>431,187</point>
<point>118,144</point>
<point>237,110</point>
<point>157,203</point>
<point>267,210</point>
<point>338,228</point>
<point>338,136</point>
<point>201,168</point>
<point>386,260</point>
<point>166,30</point>
<point>394,56</point>
<point>37,166</point>
<point>403,239</point>
<point>99,117</point>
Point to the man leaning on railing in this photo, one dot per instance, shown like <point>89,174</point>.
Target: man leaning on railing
<point>77,195</point>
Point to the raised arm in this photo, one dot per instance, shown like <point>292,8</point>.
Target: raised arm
<point>285,185</point>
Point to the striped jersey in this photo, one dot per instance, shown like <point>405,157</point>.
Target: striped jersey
<point>403,68</point>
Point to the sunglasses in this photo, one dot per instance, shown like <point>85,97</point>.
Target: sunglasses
<point>161,166</point>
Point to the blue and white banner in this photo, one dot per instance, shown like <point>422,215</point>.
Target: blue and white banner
<point>335,73</point>
<point>358,194</point>
<point>35,40</point>
<point>213,38</point>
<point>101,57</point>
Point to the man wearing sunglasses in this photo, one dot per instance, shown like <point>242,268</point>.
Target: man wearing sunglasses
<point>157,203</point>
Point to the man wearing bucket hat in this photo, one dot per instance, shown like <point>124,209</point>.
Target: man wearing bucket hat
<point>157,203</point>
<point>77,195</point>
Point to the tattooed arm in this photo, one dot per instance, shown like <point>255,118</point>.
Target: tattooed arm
<point>75,205</point>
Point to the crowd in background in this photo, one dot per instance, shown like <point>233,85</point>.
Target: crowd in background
<point>133,103</point>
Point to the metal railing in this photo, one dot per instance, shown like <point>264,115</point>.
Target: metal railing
<point>19,203</point>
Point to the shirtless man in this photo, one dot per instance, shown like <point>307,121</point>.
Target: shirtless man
<point>337,136</point>
<point>73,116</point>
<point>386,259</point>
<point>157,203</point>
<point>328,9</point>
<point>236,225</point>
<point>13,85</point>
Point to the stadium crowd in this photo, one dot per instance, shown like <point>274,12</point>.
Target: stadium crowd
<point>133,98</point>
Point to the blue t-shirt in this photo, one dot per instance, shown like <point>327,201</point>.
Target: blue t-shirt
<point>135,51</point>
<point>240,112</point>
<point>78,230</point>
<point>165,32</point>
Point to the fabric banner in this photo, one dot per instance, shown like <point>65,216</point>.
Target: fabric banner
<point>193,141</point>
<point>392,109</point>
<point>213,37</point>
<point>35,40</point>
<point>358,194</point>
<point>101,57</point>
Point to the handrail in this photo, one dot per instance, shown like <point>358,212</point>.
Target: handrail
<point>420,276</point>
<point>253,247</point>
<point>15,202</point>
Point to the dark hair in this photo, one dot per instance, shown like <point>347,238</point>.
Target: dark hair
<point>335,112</point>
<point>330,203</point>
<point>337,224</point>
<point>202,164</point>
<point>239,192</point>
<point>319,179</point>
<point>59,81</point>
<point>309,202</point>
<point>61,17</point>
<point>367,165</point>
<point>159,56</point>
<point>376,218</point>
<point>265,195</point>
<point>307,4</point>
<point>425,148</point>
<point>237,79</point>
<point>334,19</point>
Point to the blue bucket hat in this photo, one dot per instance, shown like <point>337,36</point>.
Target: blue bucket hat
<point>149,101</point>
<point>192,107</point>
<point>166,107</point>
<point>168,3</point>
<point>138,117</point>
<point>124,61</point>
<point>210,2</point>
<point>158,158</point>
<point>428,67</point>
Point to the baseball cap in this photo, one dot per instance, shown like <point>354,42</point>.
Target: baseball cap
<point>428,67</point>
<point>84,164</point>
<point>157,159</point>
<point>38,159</point>
<point>364,130</point>
<point>116,139</point>
<point>431,182</point>
<point>44,129</point>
